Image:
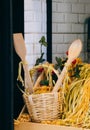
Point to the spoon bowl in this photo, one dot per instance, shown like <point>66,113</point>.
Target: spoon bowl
<point>74,49</point>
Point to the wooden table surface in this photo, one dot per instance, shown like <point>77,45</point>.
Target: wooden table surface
<point>38,126</point>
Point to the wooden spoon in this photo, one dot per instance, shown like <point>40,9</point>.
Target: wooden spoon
<point>73,52</point>
<point>20,49</point>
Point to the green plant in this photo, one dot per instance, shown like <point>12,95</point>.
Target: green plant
<point>60,63</point>
<point>43,43</point>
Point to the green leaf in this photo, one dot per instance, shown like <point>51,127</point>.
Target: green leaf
<point>40,60</point>
<point>77,70</point>
<point>60,63</point>
<point>44,82</point>
<point>45,44</point>
<point>43,41</point>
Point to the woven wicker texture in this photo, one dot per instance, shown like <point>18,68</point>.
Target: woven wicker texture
<point>46,106</point>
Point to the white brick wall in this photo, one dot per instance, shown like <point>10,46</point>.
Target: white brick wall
<point>35,28</point>
<point>71,18</point>
<point>68,21</point>
<point>64,7</point>
<point>78,8</point>
<point>68,24</point>
<point>64,27</point>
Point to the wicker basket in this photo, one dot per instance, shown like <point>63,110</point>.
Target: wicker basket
<point>46,106</point>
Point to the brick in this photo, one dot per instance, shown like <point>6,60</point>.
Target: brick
<point>27,5</point>
<point>71,18</point>
<point>78,8</point>
<point>87,8</point>
<point>30,59</point>
<point>29,38</point>
<point>84,1</point>
<point>57,38</point>
<point>29,48</point>
<point>37,5</point>
<point>43,6</point>
<point>36,48</point>
<point>28,16</point>
<point>43,17</point>
<point>37,16</point>
<point>32,5</point>
<point>67,1</point>
<point>64,7</point>
<point>57,0</point>
<point>68,38</point>
<point>54,7</point>
<point>82,37</point>
<point>83,18</point>
<point>43,27</point>
<point>33,27</point>
<point>54,27</point>
<point>62,48</point>
<point>54,48</point>
<point>64,28</point>
<point>58,17</point>
<point>68,21</point>
<point>37,37</point>
<point>78,28</point>
<point>72,1</point>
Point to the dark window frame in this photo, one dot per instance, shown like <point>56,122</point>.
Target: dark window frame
<point>49,30</point>
<point>8,26</point>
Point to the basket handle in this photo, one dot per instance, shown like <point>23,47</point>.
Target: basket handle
<point>30,100</point>
<point>40,77</point>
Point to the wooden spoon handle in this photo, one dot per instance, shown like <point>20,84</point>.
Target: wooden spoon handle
<point>37,83</point>
<point>74,51</point>
<point>61,77</point>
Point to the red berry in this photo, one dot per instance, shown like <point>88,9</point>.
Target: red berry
<point>53,72</point>
<point>74,61</point>
<point>66,52</point>
<point>40,70</point>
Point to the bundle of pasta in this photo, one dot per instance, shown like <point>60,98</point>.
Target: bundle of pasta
<point>44,77</point>
<point>76,97</point>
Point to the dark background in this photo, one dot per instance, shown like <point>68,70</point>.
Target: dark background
<point>6,66</point>
<point>12,21</point>
<point>18,27</point>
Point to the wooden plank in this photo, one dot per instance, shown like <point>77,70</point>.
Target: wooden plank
<point>38,126</point>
